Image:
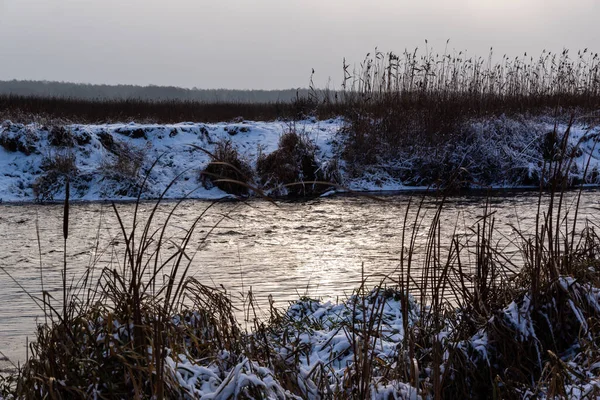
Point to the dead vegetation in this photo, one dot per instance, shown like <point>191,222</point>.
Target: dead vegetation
<point>293,168</point>
<point>473,323</point>
<point>58,167</point>
<point>227,170</point>
<point>122,165</point>
<point>458,321</point>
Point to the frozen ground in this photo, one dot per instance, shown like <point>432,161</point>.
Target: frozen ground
<point>502,152</point>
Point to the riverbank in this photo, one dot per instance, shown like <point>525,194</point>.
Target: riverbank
<point>114,161</point>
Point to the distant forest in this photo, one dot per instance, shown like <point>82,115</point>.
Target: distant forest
<point>149,93</point>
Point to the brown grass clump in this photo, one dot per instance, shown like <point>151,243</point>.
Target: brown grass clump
<point>291,169</point>
<point>227,170</point>
<point>127,162</point>
<point>112,346</point>
<point>120,327</point>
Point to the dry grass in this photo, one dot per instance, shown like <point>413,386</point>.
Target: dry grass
<point>123,164</point>
<point>426,88</point>
<point>59,111</point>
<point>120,326</point>
<point>59,167</point>
<point>292,169</point>
<point>227,170</point>
<point>394,102</point>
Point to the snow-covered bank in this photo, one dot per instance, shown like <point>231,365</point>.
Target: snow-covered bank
<point>170,146</point>
<point>501,152</point>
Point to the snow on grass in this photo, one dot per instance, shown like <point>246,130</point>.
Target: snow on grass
<point>500,152</point>
<point>170,144</point>
<point>312,338</point>
<point>313,344</point>
<point>318,340</point>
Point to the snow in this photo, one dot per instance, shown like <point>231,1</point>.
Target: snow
<point>324,332</point>
<point>316,337</point>
<point>504,145</point>
<point>171,144</point>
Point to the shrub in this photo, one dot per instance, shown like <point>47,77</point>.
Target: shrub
<point>127,161</point>
<point>227,165</point>
<point>294,162</point>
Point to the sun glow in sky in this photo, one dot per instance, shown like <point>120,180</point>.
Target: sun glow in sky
<point>266,44</point>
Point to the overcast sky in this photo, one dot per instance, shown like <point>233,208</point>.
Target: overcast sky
<point>266,44</point>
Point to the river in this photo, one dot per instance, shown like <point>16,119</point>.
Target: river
<point>319,247</point>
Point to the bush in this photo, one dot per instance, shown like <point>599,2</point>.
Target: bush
<point>127,161</point>
<point>286,169</point>
<point>227,164</point>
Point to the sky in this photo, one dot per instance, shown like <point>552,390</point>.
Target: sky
<point>267,44</point>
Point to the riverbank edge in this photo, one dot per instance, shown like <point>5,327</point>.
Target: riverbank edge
<point>470,192</point>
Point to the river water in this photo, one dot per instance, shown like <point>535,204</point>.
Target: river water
<point>319,248</point>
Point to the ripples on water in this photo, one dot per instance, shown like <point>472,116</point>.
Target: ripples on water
<point>316,248</point>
